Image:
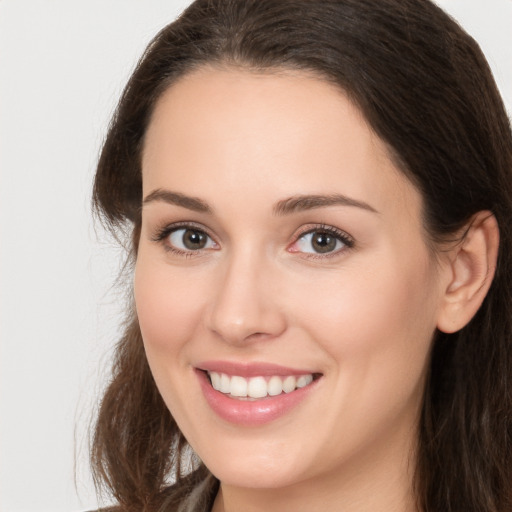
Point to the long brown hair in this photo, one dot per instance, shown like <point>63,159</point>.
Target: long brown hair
<point>427,91</point>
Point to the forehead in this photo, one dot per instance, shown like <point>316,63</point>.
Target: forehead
<point>285,132</point>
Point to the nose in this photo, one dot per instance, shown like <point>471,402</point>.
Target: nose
<point>245,305</point>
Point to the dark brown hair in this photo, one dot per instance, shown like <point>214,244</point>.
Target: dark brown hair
<point>427,91</point>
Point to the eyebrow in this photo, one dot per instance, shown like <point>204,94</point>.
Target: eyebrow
<point>284,207</point>
<point>309,202</point>
<point>166,196</point>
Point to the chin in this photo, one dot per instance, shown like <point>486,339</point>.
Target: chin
<point>255,477</point>
<point>255,467</point>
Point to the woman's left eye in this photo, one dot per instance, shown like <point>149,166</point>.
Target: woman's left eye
<point>322,241</point>
<point>188,239</point>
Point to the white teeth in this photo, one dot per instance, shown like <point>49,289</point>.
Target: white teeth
<point>275,386</point>
<point>215,380</point>
<point>238,386</point>
<point>225,383</point>
<point>289,384</point>
<point>304,380</point>
<point>257,387</point>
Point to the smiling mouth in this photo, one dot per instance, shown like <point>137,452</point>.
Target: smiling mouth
<point>255,388</point>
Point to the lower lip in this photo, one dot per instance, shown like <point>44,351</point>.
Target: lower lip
<point>251,412</point>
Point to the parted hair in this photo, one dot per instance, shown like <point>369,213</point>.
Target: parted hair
<point>425,88</point>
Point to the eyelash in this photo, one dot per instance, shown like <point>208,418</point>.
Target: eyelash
<point>337,233</point>
<point>163,233</point>
<point>341,236</point>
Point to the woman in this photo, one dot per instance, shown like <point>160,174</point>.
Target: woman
<point>319,200</point>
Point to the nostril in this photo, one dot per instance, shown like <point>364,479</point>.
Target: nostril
<point>257,336</point>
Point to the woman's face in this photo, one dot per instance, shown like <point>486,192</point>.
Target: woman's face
<point>281,248</point>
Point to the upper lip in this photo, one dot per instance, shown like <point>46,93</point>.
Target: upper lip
<point>253,369</point>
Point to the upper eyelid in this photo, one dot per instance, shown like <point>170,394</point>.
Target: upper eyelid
<point>162,232</point>
<point>161,236</point>
<point>324,227</point>
<point>343,237</point>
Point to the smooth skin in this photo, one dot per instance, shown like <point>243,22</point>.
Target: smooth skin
<point>225,271</point>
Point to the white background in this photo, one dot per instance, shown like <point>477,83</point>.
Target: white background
<point>63,64</point>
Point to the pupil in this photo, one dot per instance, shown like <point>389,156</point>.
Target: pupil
<point>194,239</point>
<point>323,242</point>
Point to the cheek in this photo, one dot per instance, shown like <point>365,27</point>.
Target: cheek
<point>388,300</point>
<point>377,326</point>
<point>170,311</point>
<point>376,329</point>
<point>169,306</point>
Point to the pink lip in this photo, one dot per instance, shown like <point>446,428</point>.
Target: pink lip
<point>251,412</point>
<point>250,369</point>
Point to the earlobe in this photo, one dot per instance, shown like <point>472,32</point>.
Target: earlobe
<point>471,266</point>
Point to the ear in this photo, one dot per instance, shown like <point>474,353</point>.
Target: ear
<point>470,267</point>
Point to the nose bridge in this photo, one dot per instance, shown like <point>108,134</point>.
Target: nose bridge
<point>244,305</point>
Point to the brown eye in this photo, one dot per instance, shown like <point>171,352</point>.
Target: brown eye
<point>190,239</point>
<point>323,242</point>
<point>194,239</point>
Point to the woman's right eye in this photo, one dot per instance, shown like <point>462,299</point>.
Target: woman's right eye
<point>188,239</point>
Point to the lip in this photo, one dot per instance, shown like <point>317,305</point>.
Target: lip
<point>251,412</point>
<point>256,369</point>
